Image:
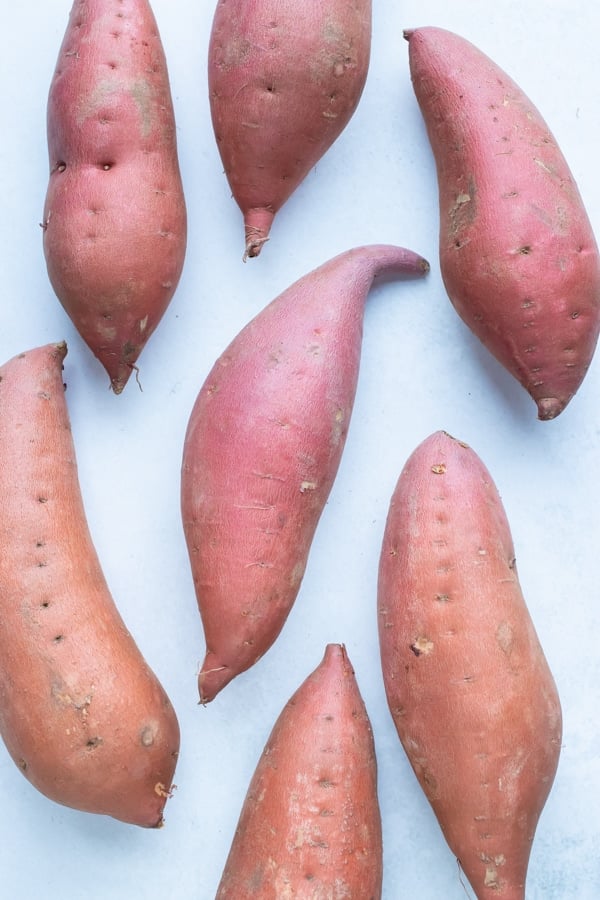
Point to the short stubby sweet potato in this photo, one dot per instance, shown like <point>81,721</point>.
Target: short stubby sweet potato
<point>310,826</point>
<point>81,713</point>
<point>262,448</point>
<point>518,256</point>
<point>284,80</point>
<point>468,686</point>
<point>114,217</point>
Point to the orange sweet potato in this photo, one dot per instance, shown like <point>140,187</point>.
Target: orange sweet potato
<point>114,217</point>
<point>81,714</point>
<point>310,825</point>
<point>262,449</point>
<point>517,252</point>
<point>468,686</point>
<point>284,79</point>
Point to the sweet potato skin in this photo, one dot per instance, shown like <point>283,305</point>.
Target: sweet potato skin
<point>284,81</point>
<point>517,252</point>
<point>114,216</point>
<point>261,451</point>
<point>81,714</point>
<point>468,686</point>
<point>310,826</point>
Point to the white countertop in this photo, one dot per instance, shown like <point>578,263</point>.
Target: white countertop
<point>421,370</point>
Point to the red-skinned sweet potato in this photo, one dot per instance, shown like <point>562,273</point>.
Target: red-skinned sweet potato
<point>310,824</point>
<point>81,714</point>
<point>262,449</point>
<point>284,80</point>
<point>114,217</point>
<point>468,686</point>
<point>517,252</point>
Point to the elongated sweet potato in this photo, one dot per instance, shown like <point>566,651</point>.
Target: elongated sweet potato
<point>262,449</point>
<point>285,79</point>
<point>114,217</point>
<point>310,825</point>
<point>468,686</point>
<point>517,252</point>
<point>81,714</point>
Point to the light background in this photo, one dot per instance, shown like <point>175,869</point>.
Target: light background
<point>421,370</point>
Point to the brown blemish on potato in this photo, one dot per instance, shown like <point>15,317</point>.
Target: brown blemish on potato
<point>430,783</point>
<point>147,736</point>
<point>505,637</point>
<point>493,863</point>
<point>439,469</point>
<point>326,783</point>
<point>422,646</point>
<point>235,53</point>
<point>463,211</point>
<point>338,427</point>
<point>297,574</point>
<point>64,698</point>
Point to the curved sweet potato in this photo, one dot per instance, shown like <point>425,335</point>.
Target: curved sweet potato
<point>285,79</point>
<point>114,217</point>
<point>310,825</point>
<point>262,449</point>
<point>517,252</point>
<point>81,714</point>
<point>468,686</point>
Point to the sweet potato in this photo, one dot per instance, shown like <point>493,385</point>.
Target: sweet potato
<point>262,448</point>
<point>114,217</point>
<point>284,79</point>
<point>310,825</point>
<point>518,256</point>
<point>468,686</point>
<point>81,714</point>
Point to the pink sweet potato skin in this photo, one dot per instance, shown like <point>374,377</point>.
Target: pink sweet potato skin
<point>262,448</point>
<point>284,80</point>
<point>310,825</point>
<point>81,713</point>
<point>467,683</point>
<point>114,217</point>
<point>517,252</point>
